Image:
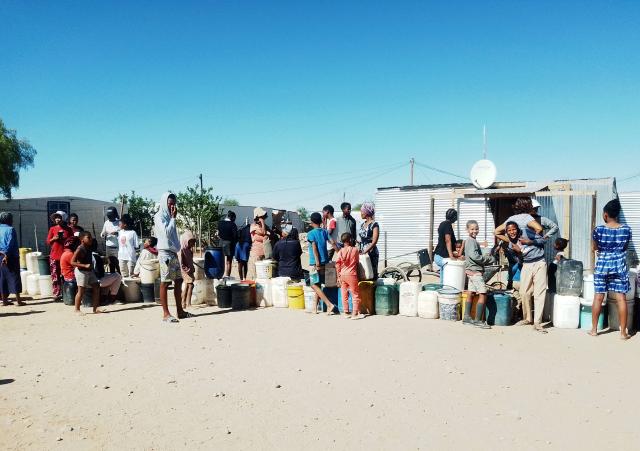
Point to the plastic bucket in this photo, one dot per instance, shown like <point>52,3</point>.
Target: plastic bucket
<point>23,256</point>
<point>69,290</point>
<point>43,265</point>
<point>33,284</point>
<point>240,296</point>
<point>367,297</point>
<point>432,287</point>
<point>264,269</point>
<point>223,293</point>
<point>499,309</point>
<point>214,263</point>
<point>46,286</point>
<point>147,290</point>
<point>23,279</point>
<point>279,292</point>
<point>295,296</point>
<point>309,299</point>
<point>263,293</point>
<point>32,262</point>
<point>448,301</point>
<point>428,304</point>
<point>586,311</point>
<point>254,291</point>
<point>149,271</point>
<point>131,289</point>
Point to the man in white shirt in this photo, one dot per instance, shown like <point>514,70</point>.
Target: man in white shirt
<point>110,231</point>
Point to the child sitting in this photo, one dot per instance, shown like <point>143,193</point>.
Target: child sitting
<point>474,263</point>
<point>560,245</point>
<point>148,253</point>
<point>347,269</point>
<point>187,242</point>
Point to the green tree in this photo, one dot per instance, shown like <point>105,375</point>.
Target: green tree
<point>357,207</point>
<point>228,202</point>
<point>15,154</point>
<point>202,208</point>
<point>303,213</point>
<point>141,211</point>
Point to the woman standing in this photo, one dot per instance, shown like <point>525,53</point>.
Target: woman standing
<point>369,234</point>
<point>10,282</point>
<point>446,241</point>
<point>259,237</point>
<point>287,253</point>
<point>58,234</point>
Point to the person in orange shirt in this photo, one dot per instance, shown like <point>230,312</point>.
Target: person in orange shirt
<point>347,269</point>
<point>70,246</point>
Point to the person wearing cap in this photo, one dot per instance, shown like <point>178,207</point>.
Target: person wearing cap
<point>287,252</point>
<point>259,238</point>
<point>549,227</point>
<point>58,233</point>
<point>10,282</point>
<point>110,232</point>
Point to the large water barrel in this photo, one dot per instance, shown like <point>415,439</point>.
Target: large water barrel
<point>566,312</point>
<point>499,309</point>
<point>454,275</point>
<point>214,263</point>
<point>428,304</point>
<point>131,287</point>
<point>223,293</point>
<point>240,296</point>
<point>43,265</point>
<point>295,296</point>
<point>409,292</point>
<point>387,302</point>
<point>69,290</point>
<point>367,297</point>
<point>569,277</point>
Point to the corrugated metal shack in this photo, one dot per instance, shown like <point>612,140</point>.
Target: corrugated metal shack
<point>631,216</point>
<point>244,214</point>
<point>409,215</point>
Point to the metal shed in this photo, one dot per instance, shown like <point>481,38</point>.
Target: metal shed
<point>409,216</point>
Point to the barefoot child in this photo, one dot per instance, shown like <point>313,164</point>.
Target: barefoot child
<point>611,241</point>
<point>82,261</point>
<point>187,242</point>
<point>347,269</point>
<point>474,263</point>
<point>318,258</point>
<point>128,245</point>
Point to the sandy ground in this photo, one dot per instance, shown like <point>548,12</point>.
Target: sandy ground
<point>284,379</point>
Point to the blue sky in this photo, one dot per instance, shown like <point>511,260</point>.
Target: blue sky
<point>288,104</point>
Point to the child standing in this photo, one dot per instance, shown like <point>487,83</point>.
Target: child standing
<point>347,269</point>
<point>318,258</point>
<point>187,242</point>
<point>128,245</point>
<point>611,241</point>
<point>82,261</point>
<point>474,263</point>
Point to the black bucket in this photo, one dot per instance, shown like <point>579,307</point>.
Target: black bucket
<point>69,290</point>
<point>223,293</point>
<point>240,296</point>
<point>148,292</point>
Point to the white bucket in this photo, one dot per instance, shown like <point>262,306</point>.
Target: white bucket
<point>45,286</point>
<point>32,262</point>
<point>264,269</point>
<point>454,275</point>
<point>202,292</point>
<point>631,294</point>
<point>587,287</point>
<point>198,265</point>
<point>264,297</point>
<point>409,292</point>
<point>448,301</point>
<point>131,288</point>
<point>309,299</point>
<point>428,305</point>
<point>566,311</point>
<point>365,268</point>
<point>149,270</point>
<point>279,292</point>
<point>33,284</point>
<point>23,280</point>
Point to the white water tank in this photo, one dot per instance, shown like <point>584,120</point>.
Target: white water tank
<point>454,275</point>
<point>409,292</point>
<point>428,305</point>
<point>566,311</point>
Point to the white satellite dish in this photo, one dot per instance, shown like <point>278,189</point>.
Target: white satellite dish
<point>483,174</point>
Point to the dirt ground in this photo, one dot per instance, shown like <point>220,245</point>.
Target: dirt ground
<point>284,379</point>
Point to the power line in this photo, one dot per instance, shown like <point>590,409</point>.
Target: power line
<point>441,171</point>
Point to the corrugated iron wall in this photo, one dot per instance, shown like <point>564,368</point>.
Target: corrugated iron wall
<point>478,210</point>
<point>631,216</point>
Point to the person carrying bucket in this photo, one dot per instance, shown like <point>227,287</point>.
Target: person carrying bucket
<point>446,242</point>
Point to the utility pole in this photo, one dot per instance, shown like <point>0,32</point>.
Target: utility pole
<point>201,187</point>
<point>412,161</point>
<point>200,218</point>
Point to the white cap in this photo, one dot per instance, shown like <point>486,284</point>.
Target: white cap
<point>535,203</point>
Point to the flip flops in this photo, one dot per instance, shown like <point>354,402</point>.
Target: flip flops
<point>170,319</point>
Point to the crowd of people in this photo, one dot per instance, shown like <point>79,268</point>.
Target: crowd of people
<point>521,239</point>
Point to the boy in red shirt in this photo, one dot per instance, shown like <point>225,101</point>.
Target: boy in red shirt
<point>347,269</point>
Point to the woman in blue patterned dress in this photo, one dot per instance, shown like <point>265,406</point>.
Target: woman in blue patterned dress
<point>369,233</point>
<point>611,241</point>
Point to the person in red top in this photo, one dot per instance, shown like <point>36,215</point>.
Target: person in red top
<point>347,269</point>
<point>70,246</point>
<point>58,233</point>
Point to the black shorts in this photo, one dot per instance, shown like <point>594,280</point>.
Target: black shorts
<point>228,248</point>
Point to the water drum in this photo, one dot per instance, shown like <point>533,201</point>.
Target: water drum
<point>566,311</point>
<point>23,280</point>
<point>45,286</point>
<point>454,275</point>
<point>614,323</point>
<point>448,300</point>
<point>387,302</point>
<point>586,315</point>
<point>367,297</point>
<point>149,270</point>
<point>295,296</point>
<point>428,305</point>
<point>198,265</point>
<point>33,285</point>
<point>223,293</point>
<point>309,299</point>
<point>240,296</point>
<point>214,263</point>
<point>498,309</point>
<point>264,269</point>
<point>147,290</point>
<point>131,288</point>
<point>409,292</point>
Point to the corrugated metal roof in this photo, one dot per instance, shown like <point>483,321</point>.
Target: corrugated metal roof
<point>530,188</point>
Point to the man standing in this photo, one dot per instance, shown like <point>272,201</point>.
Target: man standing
<point>329,223</point>
<point>346,223</point>
<point>228,234</point>
<point>549,227</point>
<point>110,231</point>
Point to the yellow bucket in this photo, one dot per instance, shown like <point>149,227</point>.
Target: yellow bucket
<point>23,257</point>
<point>296,297</point>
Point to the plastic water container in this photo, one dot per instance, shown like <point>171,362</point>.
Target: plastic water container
<point>428,305</point>
<point>23,281</point>
<point>279,291</point>
<point>566,311</point>
<point>499,309</point>
<point>341,305</point>
<point>587,287</point>
<point>198,266</point>
<point>264,269</point>
<point>147,290</point>
<point>263,293</point>
<point>295,297</point>
<point>432,287</point>
<point>454,275</point>
<point>309,299</point>
<point>330,275</point>
<point>240,296</point>
<point>448,302</point>
<point>23,251</point>
<point>202,292</point>
<point>32,262</point>
<point>365,268</point>
<point>367,297</point>
<point>387,300</point>
<point>43,265</point>
<point>131,287</point>
<point>223,293</point>
<point>614,323</point>
<point>149,270</point>
<point>45,286</point>
<point>409,292</point>
<point>569,277</point>
<point>386,281</point>
<point>69,290</point>
<point>631,294</point>
<point>214,263</point>
<point>586,315</point>
<point>252,285</point>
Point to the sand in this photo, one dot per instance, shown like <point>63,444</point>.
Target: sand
<point>283,379</point>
